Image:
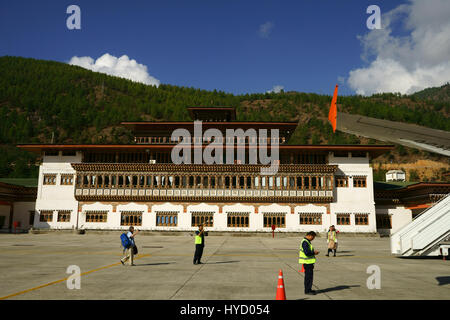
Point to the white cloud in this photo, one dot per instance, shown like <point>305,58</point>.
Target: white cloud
<point>120,67</point>
<point>265,29</point>
<point>276,89</point>
<point>409,63</point>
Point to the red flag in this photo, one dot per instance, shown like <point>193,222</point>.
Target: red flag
<point>332,115</point>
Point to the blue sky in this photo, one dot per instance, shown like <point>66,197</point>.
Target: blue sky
<point>212,44</point>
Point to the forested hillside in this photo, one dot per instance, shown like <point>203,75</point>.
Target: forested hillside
<point>46,101</point>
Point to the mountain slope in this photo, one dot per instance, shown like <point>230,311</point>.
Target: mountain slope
<point>46,101</point>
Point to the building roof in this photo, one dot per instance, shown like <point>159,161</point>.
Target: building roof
<point>410,193</point>
<point>395,171</point>
<point>373,150</point>
<point>169,126</point>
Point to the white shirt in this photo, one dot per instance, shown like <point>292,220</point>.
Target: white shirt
<point>129,235</point>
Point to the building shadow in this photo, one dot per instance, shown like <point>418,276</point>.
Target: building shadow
<point>337,288</point>
<point>443,280</point>
<point>232,261</point>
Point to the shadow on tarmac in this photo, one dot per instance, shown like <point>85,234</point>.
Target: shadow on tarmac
<point>337,288</point>
<point>153,264</point>
<point>443,280</point>
<point>232,261</point>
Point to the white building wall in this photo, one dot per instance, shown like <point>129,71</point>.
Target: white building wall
<point>400,216</point>
<point>346,200</point>
<point>56,197</point>
<point>353,200</point>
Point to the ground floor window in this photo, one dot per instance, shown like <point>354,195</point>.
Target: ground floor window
<point>239,220</point>
<point>361,219</point>
<point>277,219</point>
<point>343,219</point>
<point>46,216</point>
<point>131,218</point>
<point>64,215</point>
<point>310,218</point>
<point>384,221</point>
<point>96,216</point>
<point>167,219</point>
<point>204,218</point>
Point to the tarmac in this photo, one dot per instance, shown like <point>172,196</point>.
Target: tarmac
<point>33,266</point>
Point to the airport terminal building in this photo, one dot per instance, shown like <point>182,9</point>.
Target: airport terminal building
<point>111,187</point>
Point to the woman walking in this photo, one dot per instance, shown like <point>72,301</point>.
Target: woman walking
<point>332,241</point>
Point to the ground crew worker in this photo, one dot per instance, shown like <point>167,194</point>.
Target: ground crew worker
<point>199,244</point>
<point>332,241</point>
<point>307,258</point>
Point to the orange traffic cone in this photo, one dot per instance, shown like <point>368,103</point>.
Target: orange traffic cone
<point>281,295</point>
<point>302,270</point>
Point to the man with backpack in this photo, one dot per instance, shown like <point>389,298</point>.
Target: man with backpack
<point>129,246</point>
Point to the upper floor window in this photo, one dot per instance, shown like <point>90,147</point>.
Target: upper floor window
<point>359,182</point>
<point>50,179</point>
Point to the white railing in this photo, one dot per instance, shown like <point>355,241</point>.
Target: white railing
<point>427,228</point>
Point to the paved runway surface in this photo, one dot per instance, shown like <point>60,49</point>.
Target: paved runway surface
<point>33,266</point>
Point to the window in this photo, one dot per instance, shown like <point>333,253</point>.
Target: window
<point>64,215</point>
<point>96,216</point>
<point>343,219</point>
<point>131,218</point>
<point>361,219</point>
<point>166,219</point>
<point>50,179</point>
<point>46,216</point>
<point>66,179</point>
<point>205,218</point>
<point>359,182</point>
<point>384,221</point>
<point>311,218</point>
<point>238,219</point>
<point>278,219</point>
<point>341,182</point>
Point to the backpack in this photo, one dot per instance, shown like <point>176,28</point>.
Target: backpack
<point>126,243</point>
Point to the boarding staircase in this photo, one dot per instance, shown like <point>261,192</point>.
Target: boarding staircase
<point>427,235</point>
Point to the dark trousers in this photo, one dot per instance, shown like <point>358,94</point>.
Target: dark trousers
<point>309,274</point>
<point>198,253</point>
<point>331,250</point>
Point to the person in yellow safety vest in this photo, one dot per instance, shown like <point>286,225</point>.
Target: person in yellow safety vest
<point>307,257</point>
<point>332,241</point>
<point>199,244</point>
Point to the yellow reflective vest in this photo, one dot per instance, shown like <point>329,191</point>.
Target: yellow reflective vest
<point>198,240</point>
<point>303,258</point>
<point>331,236</point>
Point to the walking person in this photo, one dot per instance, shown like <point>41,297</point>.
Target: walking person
<point>307,258</point>
<point>332,241</point>
<point>132,249</point>
<point>199,244</point>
